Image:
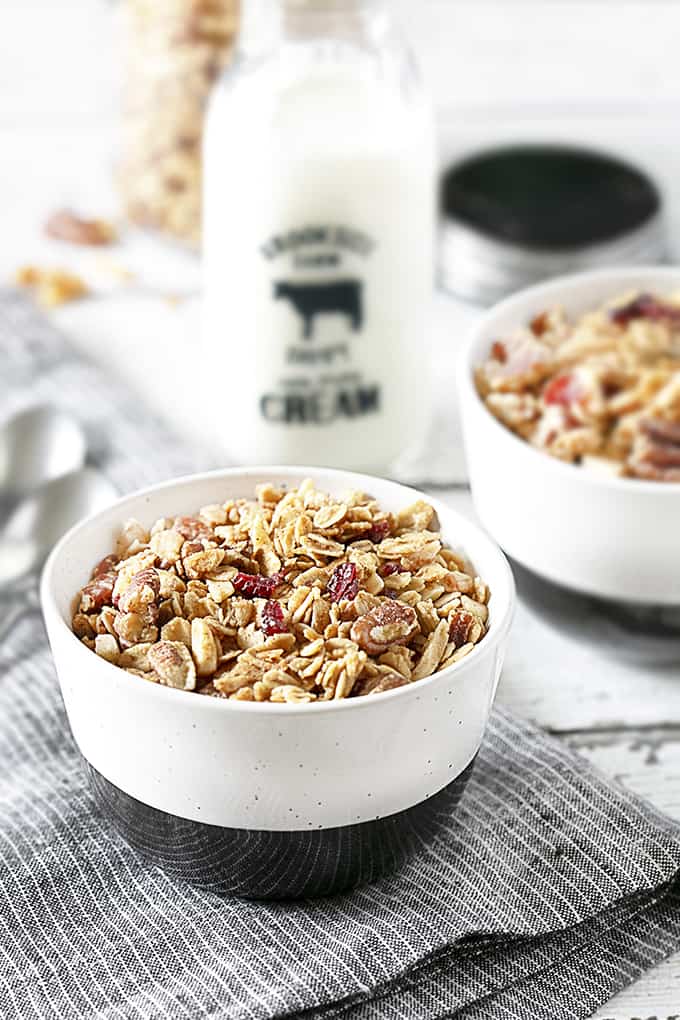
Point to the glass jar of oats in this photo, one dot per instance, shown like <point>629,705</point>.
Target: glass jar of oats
<point>173,52</point>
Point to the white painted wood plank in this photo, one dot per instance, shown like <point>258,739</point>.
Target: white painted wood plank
<point>556,51</point>
<point>61,58</point>
<point>57,60</point>
<point>649,764</point>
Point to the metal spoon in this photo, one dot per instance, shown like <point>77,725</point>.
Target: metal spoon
<point>38,522</point>
<point>36,446</point>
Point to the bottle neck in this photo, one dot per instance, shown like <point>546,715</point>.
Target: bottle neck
<point>266,22</point>
<point>304,19</point>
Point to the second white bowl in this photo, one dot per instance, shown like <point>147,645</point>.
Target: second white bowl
<point>615,538</point>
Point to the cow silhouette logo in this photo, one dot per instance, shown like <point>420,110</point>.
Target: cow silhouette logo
<point>310,300</point>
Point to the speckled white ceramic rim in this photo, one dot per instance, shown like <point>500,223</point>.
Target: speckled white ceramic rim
<point>264,766</point>
<point>615,538</point>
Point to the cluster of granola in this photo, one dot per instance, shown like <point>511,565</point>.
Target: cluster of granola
<point>176,50</point>
<point>296,596</point>
<point>602,391</point>
<point>51,287</point>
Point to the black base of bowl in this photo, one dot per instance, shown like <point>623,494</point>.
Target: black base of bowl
<point>264,865</point>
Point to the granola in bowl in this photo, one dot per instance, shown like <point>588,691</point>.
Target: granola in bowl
<point>295,596</point>
<point>601,390</point>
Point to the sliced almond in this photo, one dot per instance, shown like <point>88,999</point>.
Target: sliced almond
<point>203,647</point>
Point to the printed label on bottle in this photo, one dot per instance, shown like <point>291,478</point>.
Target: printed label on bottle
<point>320,314</point>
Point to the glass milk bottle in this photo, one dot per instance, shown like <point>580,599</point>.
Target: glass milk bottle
<point>319,210</point>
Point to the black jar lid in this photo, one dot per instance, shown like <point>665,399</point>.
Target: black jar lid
<point>516,215</point>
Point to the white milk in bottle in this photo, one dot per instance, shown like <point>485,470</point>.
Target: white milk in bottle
<point>318,230</point>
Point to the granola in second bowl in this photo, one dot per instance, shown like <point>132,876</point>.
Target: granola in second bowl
<point>296,596</point>
<point>601,390</point>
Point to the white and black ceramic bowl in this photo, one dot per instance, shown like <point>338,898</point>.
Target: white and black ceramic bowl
<point>614,538</point>
<point>267,800</point>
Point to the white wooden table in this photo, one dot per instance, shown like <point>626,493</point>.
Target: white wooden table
<point>624,718</point>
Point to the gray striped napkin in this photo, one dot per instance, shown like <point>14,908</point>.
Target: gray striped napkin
<point>552,890</point>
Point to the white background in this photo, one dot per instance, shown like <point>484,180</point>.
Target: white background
<point>486,61</point>
<point>602,71</point>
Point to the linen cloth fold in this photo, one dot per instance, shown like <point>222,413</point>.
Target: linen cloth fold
<point>550,890</point>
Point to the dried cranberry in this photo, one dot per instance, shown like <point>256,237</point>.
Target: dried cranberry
<point>344,583</point>
<point>255,586</point>
<point>563,390</point>
<point>272,619</point>
<point>380,530</point>
<point>499,352</point>
<point>645,306</point>
<point>388,569</point>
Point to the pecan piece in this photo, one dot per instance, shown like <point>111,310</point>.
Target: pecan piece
<point>656,447</point>
<point>540,323</point>
<point>83,626</point>
<point>143,589</point>
<point>97,593</point>
<point>172,661</point>
<point>191,528</point>
<point>65,225</point>
<point>465,628</point>
<point>390,623</point>
<point>660,431</point>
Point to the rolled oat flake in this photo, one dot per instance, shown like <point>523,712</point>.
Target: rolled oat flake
<point>516,215</point>
<point>319,225</point>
